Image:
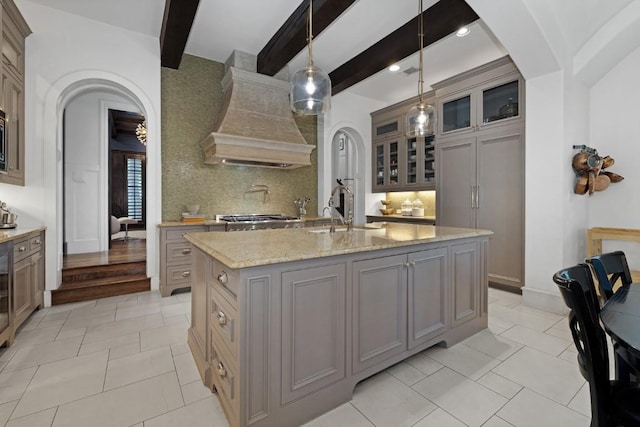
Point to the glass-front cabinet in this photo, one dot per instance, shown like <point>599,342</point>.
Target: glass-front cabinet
<point>386,164</point>
<point>494,103</point>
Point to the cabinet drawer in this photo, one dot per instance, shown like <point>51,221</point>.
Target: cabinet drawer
<point>21,249</point>
<point>224,322</point>
<point>179,274</point>
<point>177,234</point>
<point>226,280</point>
<point>35,244</point>
<point>223,375</point>
<point>179,253</point>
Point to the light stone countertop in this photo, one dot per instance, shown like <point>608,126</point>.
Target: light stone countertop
<point>262,247</point>
<point>9,234</point>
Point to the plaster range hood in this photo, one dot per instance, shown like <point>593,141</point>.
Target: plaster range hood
<point>256,125</point>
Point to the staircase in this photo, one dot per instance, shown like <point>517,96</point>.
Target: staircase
<point>101,281</point>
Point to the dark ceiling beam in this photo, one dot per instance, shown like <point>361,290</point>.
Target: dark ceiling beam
<point>440,20</point>
<point>176,25</point>
<point>291,38</point>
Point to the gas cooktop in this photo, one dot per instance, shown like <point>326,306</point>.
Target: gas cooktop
<point>257,218</point>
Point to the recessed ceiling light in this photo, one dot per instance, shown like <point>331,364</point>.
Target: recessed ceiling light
<point>462,32</point>
<point>394,67</point>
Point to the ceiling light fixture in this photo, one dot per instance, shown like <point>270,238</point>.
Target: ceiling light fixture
<point>394,67</point>
<point>141,132</point>
<point>464,31</point>
<point>310,87</point>
<point>421,116</point>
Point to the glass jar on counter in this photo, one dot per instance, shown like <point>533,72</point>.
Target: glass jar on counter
<point>406,208</point>
<point>417,208</point>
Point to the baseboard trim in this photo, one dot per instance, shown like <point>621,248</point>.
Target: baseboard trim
<point>543,300</point>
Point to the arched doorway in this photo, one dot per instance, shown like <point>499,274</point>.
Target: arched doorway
<point>347,165</point>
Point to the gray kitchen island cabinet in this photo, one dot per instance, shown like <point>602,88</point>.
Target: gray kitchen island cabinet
<point>286,322</point>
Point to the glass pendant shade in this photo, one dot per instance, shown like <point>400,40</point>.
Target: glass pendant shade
<point>310,91</point>
<point>420,120</point>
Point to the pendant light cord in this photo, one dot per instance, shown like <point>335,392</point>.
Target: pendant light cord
<point>421,37</point>
<point>310,33</point>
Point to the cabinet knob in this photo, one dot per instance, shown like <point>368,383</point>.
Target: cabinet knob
<point>37,242</point>
<point>221,370</point>
<point>222,318</point>
<point>186,251</point>
<point>186,273</point>
<point>22,248</point>
<point>223,278</point>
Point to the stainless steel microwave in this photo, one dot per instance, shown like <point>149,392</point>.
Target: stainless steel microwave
<point>4,161</point>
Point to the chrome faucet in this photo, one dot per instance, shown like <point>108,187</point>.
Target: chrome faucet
<point>349,220</point>
<point>260,188</point>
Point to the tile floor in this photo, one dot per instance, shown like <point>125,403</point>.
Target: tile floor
<point>124,361</point>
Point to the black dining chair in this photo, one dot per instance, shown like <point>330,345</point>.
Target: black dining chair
<point>613,403</point>
<point>609,268</point>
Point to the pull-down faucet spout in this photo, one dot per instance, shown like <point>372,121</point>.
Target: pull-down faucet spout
<point>349,220</point>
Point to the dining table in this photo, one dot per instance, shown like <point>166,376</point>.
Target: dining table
<point>620,316</point>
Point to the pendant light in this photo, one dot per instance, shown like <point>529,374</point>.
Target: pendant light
<point>421,117</point>
<point>310,87</point>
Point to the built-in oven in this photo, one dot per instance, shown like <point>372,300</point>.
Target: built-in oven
<point>6,277</point>
<point>4,161</point>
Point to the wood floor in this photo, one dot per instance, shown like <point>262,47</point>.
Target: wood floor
<point>121,270</point>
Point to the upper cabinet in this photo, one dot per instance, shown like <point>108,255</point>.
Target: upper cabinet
<point>486,97</point>
<point>401,163</point>
<point>14,31</point>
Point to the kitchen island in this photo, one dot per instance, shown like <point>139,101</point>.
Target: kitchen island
<point>286,322</point>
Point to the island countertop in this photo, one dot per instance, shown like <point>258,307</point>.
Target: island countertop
<point>263,247</point>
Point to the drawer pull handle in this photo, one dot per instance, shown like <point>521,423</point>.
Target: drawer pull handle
<point>223,278</point>
<point>22,248</point>
<point>221,370</point>
<point>186,251</point>
<point>222,318</point>
<point>186,273</point>
<point>37,242</point>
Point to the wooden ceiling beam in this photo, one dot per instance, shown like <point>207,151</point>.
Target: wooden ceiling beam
<point>440,20</point>
<point>176,26</point>
<point>291,38</point>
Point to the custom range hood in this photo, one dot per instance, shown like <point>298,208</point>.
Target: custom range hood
<point>256,125</point>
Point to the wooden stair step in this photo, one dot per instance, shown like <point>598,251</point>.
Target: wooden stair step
<point>102,281</point>
<point>99,288</point>
<point>103,271</point>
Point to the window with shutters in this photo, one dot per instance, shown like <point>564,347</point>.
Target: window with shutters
<point>135,188</point>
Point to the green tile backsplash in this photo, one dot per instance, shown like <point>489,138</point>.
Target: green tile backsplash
<point>191,102</point>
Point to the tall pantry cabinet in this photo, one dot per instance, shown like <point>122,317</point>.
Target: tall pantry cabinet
<point>480,162</point>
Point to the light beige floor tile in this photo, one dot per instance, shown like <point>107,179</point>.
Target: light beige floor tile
<point>186,368</point>
<point>162,336</point>
<point>203,413</point>
<point>88,320</point>
<point>5,411</point>
<point>505,299</point>
<point>122,327</point>
<point>439,418</point>
<point>13,384</point>
<point>452,392</point>
<point>64,381</point>
<point>152,397</point>
<point>7,353</point>
<point>2,365</point>
<point>500,385</point>
<point>177,349</point>
<point>66,333</point>
<point>570,354</point>
<point>137,367</point>
<point>386,401</point>
<point>30,323</point>
<point>424,363</point>
<point>40,354</point>
<point>551,317</point>
<point>108,343</point>
<point>465,360</point>
<point>180,319</point>
<point>176,309</point>
<point>582,401</point>
<point>561,330</point>
<point>537,340</point>
<point>36,336</point>
<point>194,391</point>
<point>492,345</point>
<point>39,419</point>
<point>406,373</point>
<point>343,415</point>
<point>124,350</point>
<point>530,319</point>
<point>71,306</point>
<point>131,302</point>
<point>498,326</point>
<point>529,409</point>
<point>554,378</point>
<point>496,421</point>
<point>137,310</point>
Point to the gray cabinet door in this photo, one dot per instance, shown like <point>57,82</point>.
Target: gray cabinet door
<point>500,209</point>
<point>428,301</point>
<point>313,329</point>
<point>455,180</point>
<point>379,310</point>
<point>464,275</point>
<point>200,301</point>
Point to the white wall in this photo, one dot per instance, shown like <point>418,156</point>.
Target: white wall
<point>615,130</point>
<point>66,55</point>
